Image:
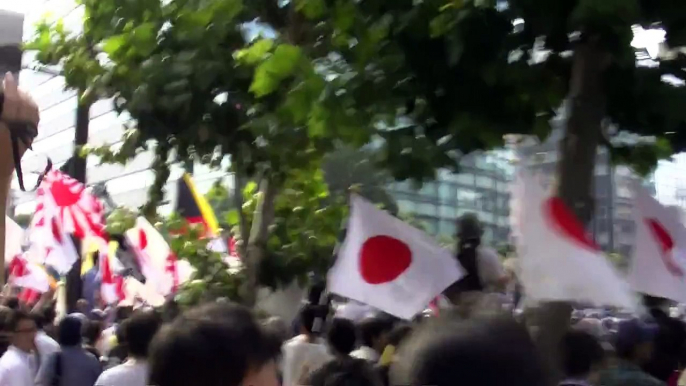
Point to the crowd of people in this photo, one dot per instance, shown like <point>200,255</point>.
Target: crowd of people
<point>222,343</point>
<point>474,340</point>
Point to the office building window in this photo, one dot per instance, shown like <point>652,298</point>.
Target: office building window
<point>465,179</point>
<point>602,169</point>
<point>406,206</point>
<point>447,192</point>
<point>467,198</point>
<point>601,212</point>
<point>447,211</point>
<point>431,225</point>
<point>448,227</point>
<point>486,217</point>
<point>485,182</point>
<point>428,189</point>
<point>603,238</point>
<point>426,209</point>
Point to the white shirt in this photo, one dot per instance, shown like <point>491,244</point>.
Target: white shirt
<point>129,373</point>
<point>354,311</point>
<point>46,346</point>
<point>490,268</point>
<point>301,358</point>
<point>15,368</point>
<point>104,345</point>
<point>366,353</point>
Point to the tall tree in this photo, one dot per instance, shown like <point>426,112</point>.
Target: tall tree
<point>477,70</point>
<point>249,80</point>
<point>347,168</point>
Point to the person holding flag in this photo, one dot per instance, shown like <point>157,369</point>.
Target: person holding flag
<point>484,272</point>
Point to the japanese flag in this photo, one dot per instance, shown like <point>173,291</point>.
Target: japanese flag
<point>388,264</point>
<point>657,266</point>
<point>558,261</point>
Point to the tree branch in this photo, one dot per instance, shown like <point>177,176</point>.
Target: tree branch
<point>238,184</point>
<point>264,213</point>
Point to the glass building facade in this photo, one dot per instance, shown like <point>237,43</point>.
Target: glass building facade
<point>481,187</point>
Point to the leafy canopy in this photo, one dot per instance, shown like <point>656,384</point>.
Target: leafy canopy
<point>479,69</point>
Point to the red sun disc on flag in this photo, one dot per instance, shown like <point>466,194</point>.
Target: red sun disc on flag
<point>383,259</point>
<point>666,244</point>
<point>566,223</point>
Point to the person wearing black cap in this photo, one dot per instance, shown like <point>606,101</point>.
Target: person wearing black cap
<point>633,348</point>
<point>483,269</point>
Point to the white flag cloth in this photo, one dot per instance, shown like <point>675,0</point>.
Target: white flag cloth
<point>657,267</point>
<point>388,264</point>
<point>28,275</point>
<point>60,252</point>
<point>14,237</point>
<point>558,261</point>
<point>162,272</point>
<point>152,251</point>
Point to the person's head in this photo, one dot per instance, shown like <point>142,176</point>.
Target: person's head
<point>341,336</point>
<point>634,341</point>
<point>23,329</point>
<point>121,313</point>
<point>308,314</point>
<point>69,331</point>
<point>345,372</point>
<point>372,332</point>
<point>582,355</point>
<point>91,331</point>
<point>140,328</point>
<point>469,227</point>
<point>49,315</point>
<point>492,351</point>
<point>399,334</point>
<point>39,319</point>
<point>218,344</point>
<point>82,306</point>
<point>276,326</point>
<point>13,303</point>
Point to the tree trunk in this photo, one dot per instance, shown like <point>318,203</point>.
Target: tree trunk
<point>259,233</point>
<point>578,150</point>
<point>74,287</point>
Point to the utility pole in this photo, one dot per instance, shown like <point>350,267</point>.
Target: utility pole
<point>77,169</point>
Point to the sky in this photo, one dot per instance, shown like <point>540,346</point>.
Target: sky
<point>21,6</point>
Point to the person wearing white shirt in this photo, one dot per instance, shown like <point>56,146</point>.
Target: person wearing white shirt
<point>305,353</point>
<point>139,331</point>
<point>45,346</point>
<point>15,364</point>
<point>372,334</point>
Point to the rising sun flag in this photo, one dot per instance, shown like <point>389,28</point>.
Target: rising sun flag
<point>64,198</point>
